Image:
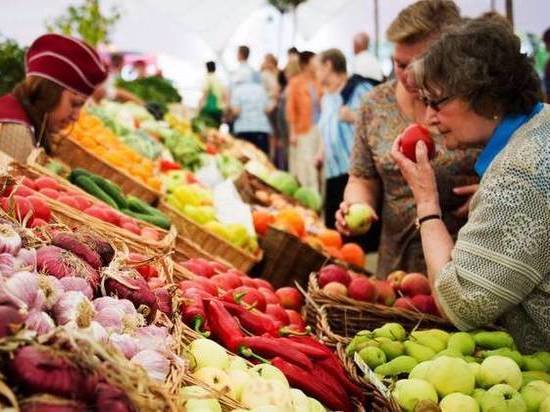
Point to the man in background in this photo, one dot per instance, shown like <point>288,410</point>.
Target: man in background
<point>365,64</point>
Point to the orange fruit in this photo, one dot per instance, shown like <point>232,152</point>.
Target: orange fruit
<point>292,219</point>
<point>262,220</point>
<point>334,252</point>
<point>353,253</point>
<point>331,238</point>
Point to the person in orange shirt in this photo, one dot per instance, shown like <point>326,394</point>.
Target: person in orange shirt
<point>302,111</point>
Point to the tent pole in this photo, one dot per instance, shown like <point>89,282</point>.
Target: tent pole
<point>510,11</point>
<point>376,28</point>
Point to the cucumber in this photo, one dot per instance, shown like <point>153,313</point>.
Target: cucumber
<point>139,206</point>
<point>87,184</point>
<point>78,172</point>
<point>113,190</point>
<point>157,220</point>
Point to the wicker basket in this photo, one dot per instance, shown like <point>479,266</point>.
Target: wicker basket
<point>287,259</point>
<point>75,218</point>
<point>247,184</point>
<point>211,243</point>
<point>75,155</point>
<point>186,249</point>
<point>338,319</point>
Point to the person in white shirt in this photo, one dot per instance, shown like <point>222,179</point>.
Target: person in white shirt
<point>365,64</point>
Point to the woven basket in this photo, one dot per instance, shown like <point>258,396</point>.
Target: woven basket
<point>210,242</point>
<point>376,399</point>
<point>247,185</point>
<point>76,218</point>
<point>75,155</point>
<point>287,259</point>
<point>186,249</point>
<point>337,319</point>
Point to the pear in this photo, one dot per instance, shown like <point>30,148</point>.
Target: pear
<point>420,352</point>
<point>499,369</point>
<point>533,363</point>
<point>477,394</point>
<point>372,356</point>
<point>392,349</point>
<point>393,331</point>
<point>545,405</point>
<point>507,352</point>
<point>462,342</point>
<point>397,366</point>
<point>476,370</point>
<point>502,398</point>
<point>544,357</point>
<point>494,340</point>
<point>420,371</point>
<point>450,375</point>
<point>449,352</point>
<point>442,335</point>
<point>428,338</point>
<point>458,402</point>
<point>534,393</point>
<point>409,392</point>
<point>356,343</point>
<point>471,359</point>
<point>534,376</point>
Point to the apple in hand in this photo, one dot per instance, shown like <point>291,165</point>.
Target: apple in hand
<point>359,218</point>
<point>411,136</point>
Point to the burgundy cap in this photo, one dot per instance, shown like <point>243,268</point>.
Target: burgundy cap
<point>67,61</point>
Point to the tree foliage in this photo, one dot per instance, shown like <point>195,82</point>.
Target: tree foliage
<point>12,65</point>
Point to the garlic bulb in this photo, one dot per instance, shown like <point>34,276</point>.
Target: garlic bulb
<point>95,331</point>
<point>52,289</point>
<point>127,344</point>
<point>10,241</point>
<point>40,322</point>
<point>155,364</point>
<point>22,289</point>
<point>26,260</point>
<point>154,337</point>
<point>114,319</point>
<point>74,306</point>
<point>73,283</point>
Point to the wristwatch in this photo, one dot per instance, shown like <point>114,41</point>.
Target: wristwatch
<point>419,220</point>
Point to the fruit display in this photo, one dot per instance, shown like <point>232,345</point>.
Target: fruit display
<point>461,371</point>
<point>90,132</point>
<point>111,194</point>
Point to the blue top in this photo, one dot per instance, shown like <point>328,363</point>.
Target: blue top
<point>252,101</point>
<point>501,136</point>
<point>338,135</point>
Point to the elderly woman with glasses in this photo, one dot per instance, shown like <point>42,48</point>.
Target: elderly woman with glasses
<point>481,90</point>
<point>386,111</point>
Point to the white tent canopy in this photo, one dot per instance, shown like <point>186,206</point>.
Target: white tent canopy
<point>186,33</point>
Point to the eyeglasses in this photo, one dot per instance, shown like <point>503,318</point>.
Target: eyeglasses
<point>435,104</point>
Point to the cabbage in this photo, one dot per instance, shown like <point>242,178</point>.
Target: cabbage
<point>309,198</point>
<point>284,182</point>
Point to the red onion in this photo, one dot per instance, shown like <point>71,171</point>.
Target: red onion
<point>48,403</point>
<point>156,365</point>
<point>72,243</point>
<point>112,399</point>
<point>40,322</point>
<point>164,300</point>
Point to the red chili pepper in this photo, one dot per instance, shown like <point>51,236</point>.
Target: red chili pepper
<point>255,322</point>
<point>167,165</point>
<point>331,383</point>
<point>223,325</point>
<point>310,351</point>
<point>333,366</point>
<point>193,311</point>
<point>269,347</point>
<point>311,385</point>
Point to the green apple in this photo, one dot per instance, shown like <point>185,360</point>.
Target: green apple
<point>534,393</point>
<point>236,363</point>
<point>315,405</point>
<point>502,398</point>
<point>268,372</point>
<point>266,408</point>
<point>458,402</point>
<point>261,392</point>
<point>450,375</point>
<point>408,392</point>
<point>477,394</point>
<point>203,405</point>
<point>500,369</point>
<point>420,371</point>
<point>237,381</point>
<point>373,356</point>
<point>299,400</point>
<point>476,370</point>
<point>359,218</point>
<point>534,376</point>
<point>208,353</point>
<point>213,377</point>
<point>545,405</point>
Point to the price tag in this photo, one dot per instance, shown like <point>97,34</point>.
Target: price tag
<point>371,376</point>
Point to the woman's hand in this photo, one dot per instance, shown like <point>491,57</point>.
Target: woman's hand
<point>419,176</point>
<point>341,224</point>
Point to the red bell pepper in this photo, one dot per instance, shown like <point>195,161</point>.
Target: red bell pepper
<point>269,347</point>
<point>254,322</point>
<point>308,382</point>
<point>223,325</point>
<point>167,165</point>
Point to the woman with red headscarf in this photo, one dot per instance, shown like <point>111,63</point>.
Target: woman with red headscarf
<point>61,73</point>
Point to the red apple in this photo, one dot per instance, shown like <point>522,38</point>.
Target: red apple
<point>248,282</point>
<point>404,303</point>
<point>385,293</point>
<point>415,284</point>
<point>362,288</point>
<point>46,182</point>
<point>237,272</point>
<point>278,313</point>
<point>262,283</point>
<point>395,278</point>
<point>296,321</point>
<point>24,191</point>
<point>51,193</point>
<point>425,304</point>
<point>290,298</point>
<point>199,266</point>
<point>269,295</point>
<point>218,267</point>
<point>411,136</point>
<point>246,296</point>
<point>335,289</point>
<point>28,182</point>
<point>227,281</point>
<point>333,273</point>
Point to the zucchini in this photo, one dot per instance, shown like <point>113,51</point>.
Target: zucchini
<point>112,190</point>
<point>87,184</point>
<point>157,220</point>
<point>78,172</point>
<point>139,206</point>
